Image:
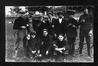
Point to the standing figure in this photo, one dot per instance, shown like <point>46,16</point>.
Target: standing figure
<point>59,25</point>
<point>36,22</point>
<point>45,24</point>
<point>86,24</point>
<point>20,25</point>
<point>72,26</point>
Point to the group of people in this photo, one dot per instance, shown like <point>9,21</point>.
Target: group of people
<point>42,37</point>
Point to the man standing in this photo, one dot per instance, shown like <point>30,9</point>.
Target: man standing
<point>36,22</point>
<point>20,25</point>
<point>45,24</point>
<point>85,23</point>
<point>59,25</point>
<point>71,34</point>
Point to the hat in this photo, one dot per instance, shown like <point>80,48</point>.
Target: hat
<point>45,30</point>
<point>22,12</point>
<point>33,33</point>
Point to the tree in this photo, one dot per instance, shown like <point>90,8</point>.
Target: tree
<point>16,9</point>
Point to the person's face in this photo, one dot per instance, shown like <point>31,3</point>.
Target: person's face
<point>60,37</point>
<point>33,36</point>
<point>60,16</point>
<point>86,11</point>
<point>45,33</point>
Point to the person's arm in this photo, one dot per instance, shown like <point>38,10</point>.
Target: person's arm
<point>54,44</point>
<point>52,24</point>
<point>80,20</point>
<point>16,24</point>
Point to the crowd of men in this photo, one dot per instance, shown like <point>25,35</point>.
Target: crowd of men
<point>45,37</point>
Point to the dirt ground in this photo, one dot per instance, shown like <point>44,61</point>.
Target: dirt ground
<point>10,41</point>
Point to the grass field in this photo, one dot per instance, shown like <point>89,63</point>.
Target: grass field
<point>10,41</point>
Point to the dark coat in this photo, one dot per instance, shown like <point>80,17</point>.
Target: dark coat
<point>36,23</point>
<point>60,44</point>
<point>46,25</point>
<point>87,25</point>
<point>34,43</point>
<point>71,30</point>
<point>20,21</point>
<point>47,41</point>
<point>46,44</point>
<point>59,28</point>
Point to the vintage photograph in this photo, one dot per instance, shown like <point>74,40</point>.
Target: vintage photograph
<point>49,34</point>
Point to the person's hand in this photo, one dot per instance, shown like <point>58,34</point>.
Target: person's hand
<point>55,45</point>
<point>28,36</point>
<point>83,20</point>
<point>74,26</point>
<point>52,26</point>
<point>62,48</point>
<point>46,52</point>
<point>23,27</point>
<point>59,49</point>
<point>55,35</point>
<point>56,49</point>
<point>91,32</point>
<point>34,51</point>
<point>27,24</point>
<point>42,43</point>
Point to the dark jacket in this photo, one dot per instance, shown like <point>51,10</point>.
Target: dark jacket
<point>20,21</point>
<point>60,44</point>
<point>88,21</point>
<point>59,28</point>
<point>34,43</point>
<point>72,29</point>
<point>36,23</point>
<point>46,25</point>
<point>46,41</point>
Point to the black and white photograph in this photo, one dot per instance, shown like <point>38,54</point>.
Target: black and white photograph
<point>49,34</point>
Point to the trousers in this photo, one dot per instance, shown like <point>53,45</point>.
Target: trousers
<point>84,34</point>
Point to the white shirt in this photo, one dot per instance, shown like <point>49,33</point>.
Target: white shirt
<point>60,20</point>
